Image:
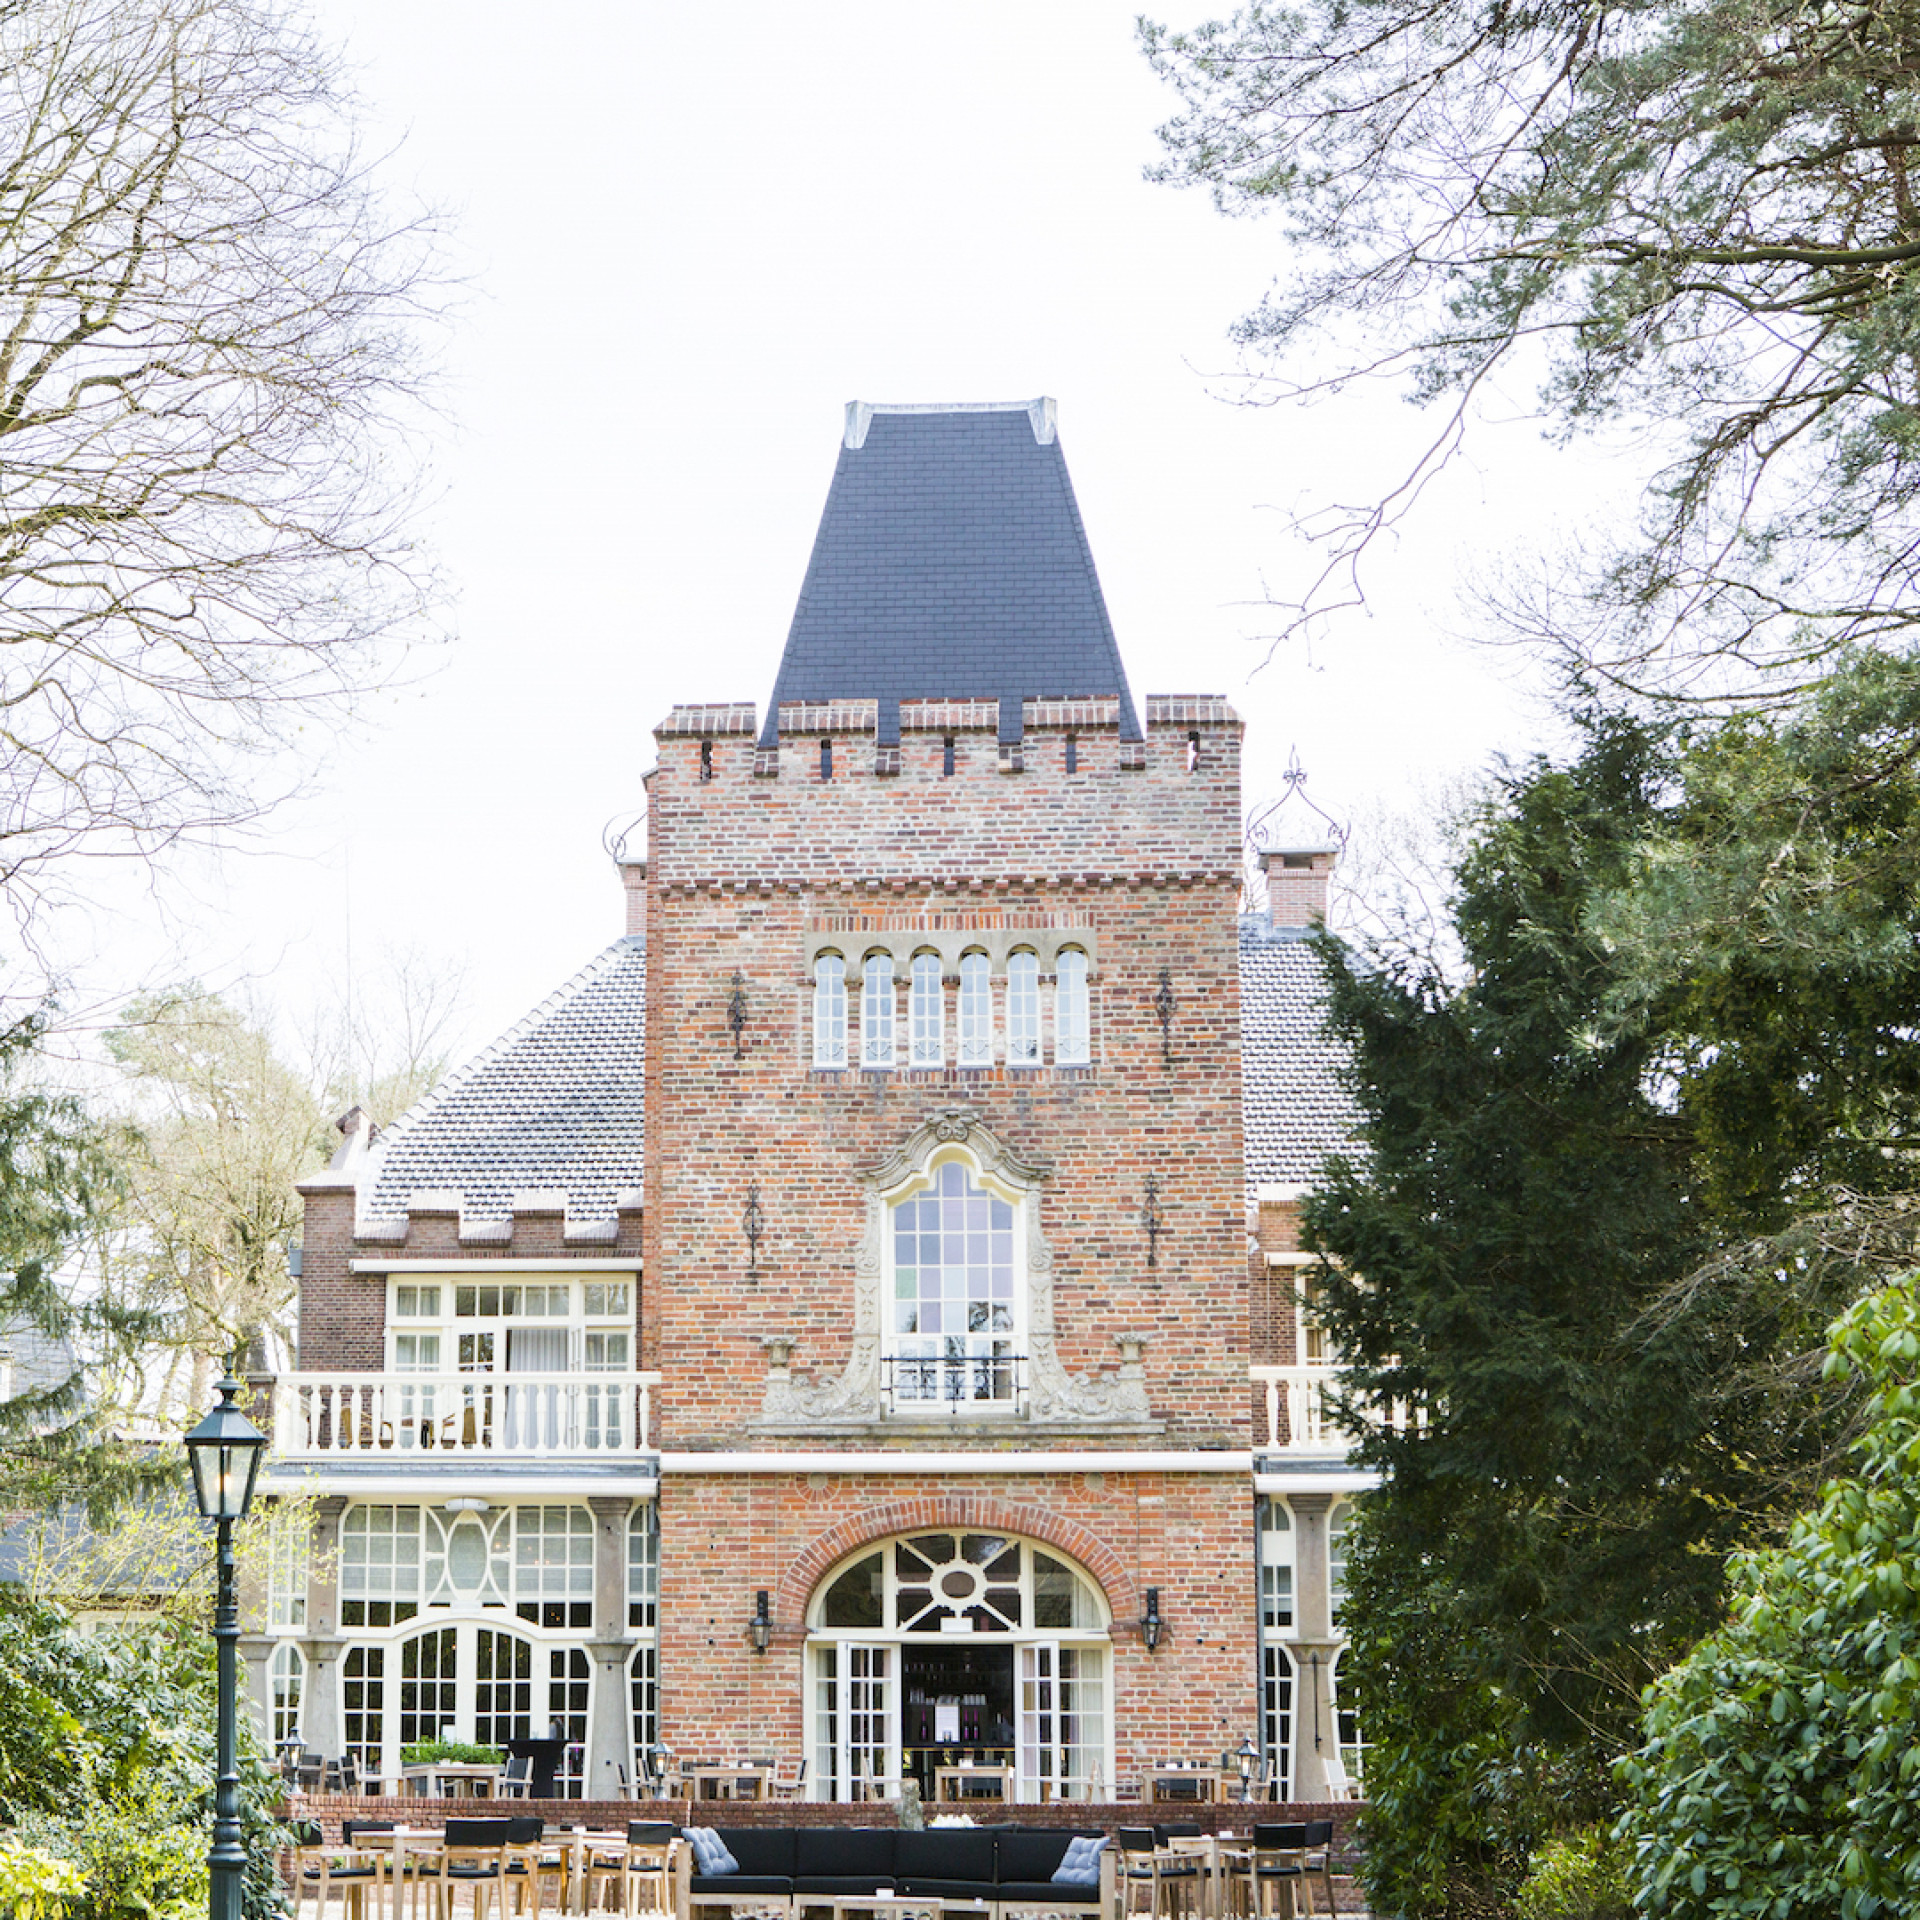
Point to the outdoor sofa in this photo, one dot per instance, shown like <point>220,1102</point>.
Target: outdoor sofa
<point>789,1869</point>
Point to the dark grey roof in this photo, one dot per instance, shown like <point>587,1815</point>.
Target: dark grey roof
<point>40,1359</point>
<point>950,565</point>
<point>1297,1107</point>
<point>556,1103</point>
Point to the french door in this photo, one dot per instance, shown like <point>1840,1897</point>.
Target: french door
<point>1063,1721</point>
<point>857,1718</point>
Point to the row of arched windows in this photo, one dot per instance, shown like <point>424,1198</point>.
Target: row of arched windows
<point>924,1038</point>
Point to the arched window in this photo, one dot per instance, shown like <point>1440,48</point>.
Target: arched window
<point>830,1011</point>
<point>286,1682</point>
<point>957,1315</point>
<point>1023,1008</point>
<point>976,1011</point>
<point>1070,1037</point>
<point>1338,1521</point>
<point>925,1012</point>
<point>876,1011</point>
<point>1276,1567</point>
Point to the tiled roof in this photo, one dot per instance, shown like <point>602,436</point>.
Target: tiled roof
<point>1296,1104</point>
<point>556,1103</point>
<point>950,564</point>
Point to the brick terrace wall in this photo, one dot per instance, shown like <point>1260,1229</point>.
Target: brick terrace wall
<point>741,866</point>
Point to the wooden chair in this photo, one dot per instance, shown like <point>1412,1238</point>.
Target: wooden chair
<point>476,1854</point>
<point>322,1870</point>
<point>647,1870</point>
<point>1279,1852</point>
<point>517,1778</point>
<point>1341,1785</point>
<point>787,1781</point>
<point>1151,1882</point>
<point>1319,1846</point>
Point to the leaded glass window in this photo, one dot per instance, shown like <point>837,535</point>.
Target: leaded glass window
<point>925,1010</point>
<point>955,1317</point>
<point>1071,1046</point>
<point>976,1011</point>
<point>1023,1009</point>
<point>830,1011</point>
<point>876,1011</point>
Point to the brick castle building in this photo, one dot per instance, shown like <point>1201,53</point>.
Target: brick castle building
<point>855,1318</point>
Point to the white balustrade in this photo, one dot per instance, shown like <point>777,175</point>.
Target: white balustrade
<point>522,1415</point>
<point>1302,1416</point>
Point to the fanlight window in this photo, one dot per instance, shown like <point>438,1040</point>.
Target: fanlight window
<point>961,1583</point>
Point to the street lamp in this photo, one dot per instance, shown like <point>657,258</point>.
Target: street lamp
<point>1246,1757</point>
<point>224,1451</point>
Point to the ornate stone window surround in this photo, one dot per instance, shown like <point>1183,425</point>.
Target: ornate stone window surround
<point>852,1400</point>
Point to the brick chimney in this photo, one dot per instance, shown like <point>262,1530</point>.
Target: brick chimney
<point>1297,880</point>
<point>633,876</point>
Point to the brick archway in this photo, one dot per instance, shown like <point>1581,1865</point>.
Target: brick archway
<point>972,1513</point>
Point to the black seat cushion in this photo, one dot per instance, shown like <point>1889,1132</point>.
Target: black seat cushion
<point>761,1850</point>
<point>860,1854</point>
<point>961,1854</point>
<point>729,1884</point>
<point>1031,1853</point>
<point>1047,1893</point>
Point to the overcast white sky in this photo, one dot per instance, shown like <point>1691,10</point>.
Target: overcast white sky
<point>691,234</point>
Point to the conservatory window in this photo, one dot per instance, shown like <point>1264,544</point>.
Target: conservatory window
<point>379,1566</point>
<point>643,1568</point>
<point>287,1679</point>
<point>925,1012</point>
<point>876,1011</point>
<point>830,1011</point>
<point>976,1011</point>
<point>1023,1009</point>
<point>1276,1567</point>
<point>1070,1037</point>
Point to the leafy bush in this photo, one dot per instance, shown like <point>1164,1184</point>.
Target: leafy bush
<point>1779,1773</point>
<point>35,1885</point>
<point>107,1764</point>
<point>461,1752</point>
<point>1577,1876</point>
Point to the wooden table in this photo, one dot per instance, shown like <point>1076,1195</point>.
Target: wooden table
<point>1170,1785</point>
<point>728,1783</point>
<point>454,1779</point>
<point>957,1782</point>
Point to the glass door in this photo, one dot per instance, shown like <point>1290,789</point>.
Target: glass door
<point>856,1726</point>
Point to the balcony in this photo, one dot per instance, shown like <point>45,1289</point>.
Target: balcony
<point>1302,1419</point>
<point>462,1416</point>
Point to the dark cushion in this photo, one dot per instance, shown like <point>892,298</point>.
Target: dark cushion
<point>864,1854</point>
<point>761,1850</point>
<point>728,1884</point>
<point>932,1887</point>
<point>945,1853</point>
<point>1046,1893</point>
<point>1031,1853</point>
<point>841,1886</point>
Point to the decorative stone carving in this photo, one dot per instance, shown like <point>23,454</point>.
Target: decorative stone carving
<point>1054,1396</point>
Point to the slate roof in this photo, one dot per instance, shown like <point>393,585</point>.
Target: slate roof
<point>951,564</point>
<point>557,1102</point>
<point>1295,1103</point>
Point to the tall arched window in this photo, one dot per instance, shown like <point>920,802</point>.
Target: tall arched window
<point>287,1682</point>
<point>925,1021</point>
<point>1070,1038</point>
<point>876,1011</point>
<point>957,1313</point>
<point>829,1011</point>
<point>1023,1008</point>
<point>976,1011</point>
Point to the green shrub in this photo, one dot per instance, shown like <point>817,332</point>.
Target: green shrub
<point>35,1885</point>
<point>1578,1876</point>
<point>461,1752</point>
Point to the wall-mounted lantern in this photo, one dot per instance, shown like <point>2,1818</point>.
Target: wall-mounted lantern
<point>1152,1627</point>
<point>1150,1221</point>
<point>760,1627</point>
<point>737,1014</point>
<point>753,1224</point>
<point>1163,1004</point>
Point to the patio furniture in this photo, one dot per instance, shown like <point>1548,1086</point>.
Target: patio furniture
<point>787,1781</point>
<point>476,1854</point>
<point>323,1869</point>
<point>517,1776</point>
<point>1277,1861</point>
<point>965,1781</point>
<point>1319,1847</point>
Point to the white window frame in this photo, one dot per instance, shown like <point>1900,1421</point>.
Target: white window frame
<point>830,1012</point>
<point>1278,1551</point>
<point>926,1013</point>
<point>984,1349</point>
<point>425,1323</point>
<point>286,1694</point>
<point>1024,1049</point>
<point>877,1020</point>
<point>1072,1029</point>
<point>976,1009</point>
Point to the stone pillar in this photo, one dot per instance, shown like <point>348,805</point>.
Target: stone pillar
<point>256,1655</point>
<point>610,1737</point>
<point>1315,1736</point>
<point>320,1702</point>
